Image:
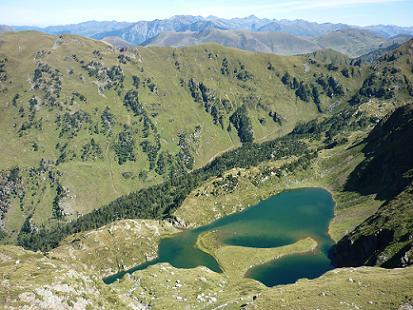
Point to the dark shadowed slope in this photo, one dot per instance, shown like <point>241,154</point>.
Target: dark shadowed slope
<point>386,238</point>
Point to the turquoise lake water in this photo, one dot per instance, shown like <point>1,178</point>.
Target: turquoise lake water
<point>279,220</point>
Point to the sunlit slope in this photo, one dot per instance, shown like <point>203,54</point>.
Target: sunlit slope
<point>61,280</point>
<point>84,124</point>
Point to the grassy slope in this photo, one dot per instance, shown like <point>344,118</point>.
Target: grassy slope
<point>162,286</point>
<point>157,285</point>
<point>115,247</point>
<point>264,42</point>
<point>352,206</point>
<point>384,238</point>
<point>91,184</point>
<point>366,288</point>
<point>60,279</point>
<point>235,261</point>
<point>201,206</point>
<point>71,275</point>
<point>351,42</point>
<point>94,183</point>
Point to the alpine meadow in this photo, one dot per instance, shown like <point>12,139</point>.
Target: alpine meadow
<point>200,162</point>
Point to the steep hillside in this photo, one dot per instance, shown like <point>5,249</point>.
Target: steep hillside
<point>389,76</point>
<point>386,170</point>
<point>385,238</point>
<point>70,277</point>
<point>352,42</point>
<point>90,124</point>
<point>106,152</point>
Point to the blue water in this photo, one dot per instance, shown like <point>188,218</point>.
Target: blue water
<point>279,220</point>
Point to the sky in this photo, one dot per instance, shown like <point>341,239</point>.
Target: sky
<point>59,12</point>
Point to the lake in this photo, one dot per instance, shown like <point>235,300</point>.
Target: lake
<point>279,220</point>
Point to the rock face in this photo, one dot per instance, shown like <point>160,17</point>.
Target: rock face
<point>386,238</point>
<point>177,222</point>
<point>115,247</point>
<point>363,250</point>
<point>407,258</point>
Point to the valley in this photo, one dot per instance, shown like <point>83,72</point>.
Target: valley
<point>111,160</point>
<point>281,37</point>
<point>272,223</point>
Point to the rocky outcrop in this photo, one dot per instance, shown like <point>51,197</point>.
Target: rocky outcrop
<point>363,250</point>
<point>10,187</point>
<point>386,238</point>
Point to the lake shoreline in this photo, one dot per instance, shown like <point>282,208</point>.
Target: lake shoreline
<point>260,219</point>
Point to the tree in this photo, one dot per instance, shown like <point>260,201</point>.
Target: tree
<point>243,125</point>
<point>301,92</point>
<point>286,79</point>
<point>316,98</point>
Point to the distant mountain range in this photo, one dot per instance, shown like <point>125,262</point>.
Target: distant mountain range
<point>267,42</point>
<point>5,28</point>
<point>352,42</point>
<point>86,29</point>
<point>285,37</point>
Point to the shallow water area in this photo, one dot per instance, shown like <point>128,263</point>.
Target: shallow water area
<point>277,221</point>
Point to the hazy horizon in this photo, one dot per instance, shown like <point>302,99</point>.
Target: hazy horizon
<point>207,16</point>
<point>359,13</point>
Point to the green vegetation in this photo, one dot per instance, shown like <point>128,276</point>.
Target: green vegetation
<point>160,200</point>
<point>235,261</point>
<point>3,72</point>
<point>57,211</point>
<point>385,237</point>
<point>148,150</point>
<point>125,146</point>
<point>137,106</point>
<point>217,197</point>
<point>388,81</point>
<point>68,277</point>
<point>239,188</point>
<point>242,124</point>
<point>96,139</point>
<point>91,151</point>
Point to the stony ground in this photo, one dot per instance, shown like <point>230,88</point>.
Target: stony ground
<point>70,277</point>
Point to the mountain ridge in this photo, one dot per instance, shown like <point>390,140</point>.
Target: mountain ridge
<point>140,88</point>
<point>264,42</point>
<point>183,23</point>
<point>352,42</point>
<point>106,150</point>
